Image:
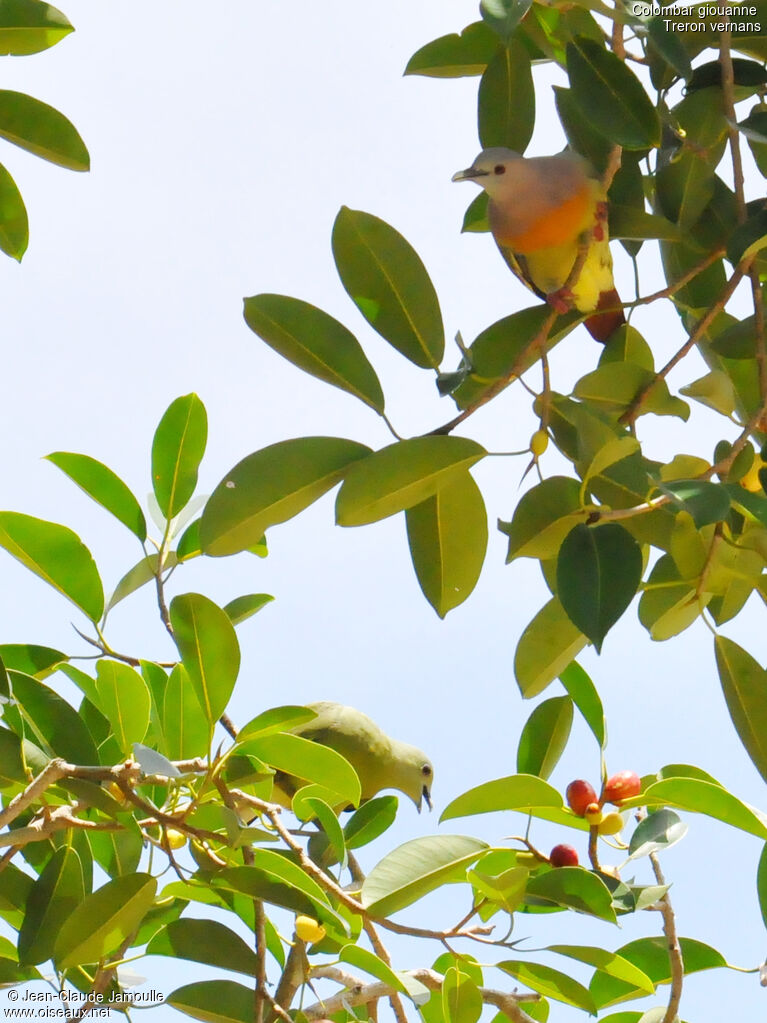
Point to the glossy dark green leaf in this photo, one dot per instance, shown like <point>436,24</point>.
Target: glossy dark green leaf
<point>745,72</point>
<point>177,450</point>
<point>581,134</point>
<point>58,556</point>
<point>447,535</point>
<point>216,1001</point>
<point>106,489</point>
<point>209,650</point>
<point>385,278</point>
<point>550,982</point>
<point>748,238</point>
<point>54,895</point>
<point>42,130</point>
<point>244,607</point>
<point>584,695</point>
<point>15,886</point>
<point>118,853</point>
<point>12,767</point>
<point>636,225</point>
<point>685,187</point>
<point>543,517</point>
<point>574,888</point>
<point>29,26</point>
<point>670,46</point>
<point>598,571</point>
<point>103,920</point>
<point>657,832</point>
<point>125,701</point>
<point>503,16</point>
<point>14,224</point>
<point>517,792</point>
<point>546,647</point>
<point>545,736</point>
<point>699,796</point>
<point>412,870</point>
<point>506,111</point>
<point>455,56</point>
<point>51,722</point>
<point>744,683</point>
<point>316,343</point>
<point>204,941</point>
<point>402,475</point>
<point>270,486</point>
<point>611,95</point>
<point>371,820</point>
<point>706,502</point>
<point>189,545</point>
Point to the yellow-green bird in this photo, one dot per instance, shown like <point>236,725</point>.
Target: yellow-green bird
<point>380,761</point>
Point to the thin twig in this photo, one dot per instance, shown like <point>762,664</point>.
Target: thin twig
<point>672,943</point>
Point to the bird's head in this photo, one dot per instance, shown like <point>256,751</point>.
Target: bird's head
<point>414,773</point>
<point>496,170</point>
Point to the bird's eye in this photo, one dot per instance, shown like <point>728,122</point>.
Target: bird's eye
<point>499,169</point>
<point>426,770</point>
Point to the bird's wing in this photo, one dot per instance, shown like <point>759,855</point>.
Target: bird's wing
<point>518,266</point>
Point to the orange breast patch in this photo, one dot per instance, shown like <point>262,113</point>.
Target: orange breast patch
<point>562,224</point>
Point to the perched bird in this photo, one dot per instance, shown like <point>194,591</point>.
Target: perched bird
<point>539,209</point>
<point>380,762</point>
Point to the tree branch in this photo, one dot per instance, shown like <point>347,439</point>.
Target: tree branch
<point>672,941</point>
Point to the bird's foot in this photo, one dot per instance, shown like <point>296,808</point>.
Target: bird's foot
<point>561,300</point>
<point>601,220</point>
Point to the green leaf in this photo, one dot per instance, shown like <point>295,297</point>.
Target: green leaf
<point>244,607</point>
<point>702,797</point>
<point>209,650</point>
<point>447,535</point>
<point>106,489</point>
<point>142,572</point>
<point>657,832</point>
<point>748,238</point>
<point>546,647</point>
<point>598,571</point>
<point>15,887</point>
<point>184,725</point>
<point>204,941</point>
<point>543,518</point>
<point>54,724</point>
<point>506,110</point>
<point>41,130</point>
<point>325,815</point>
<point>54,895</point>
<point>650,955</point>
<point>586,698</point>
<point>308,760</point>
<point>103,920</point>
<point>454,56</point>
<point>503,16</point>
<point>316,343</point>
<point>12,768</point>
<point>706,502</point>
<point>271,486</point>
<point>668,604</point>
<point>386,280</point>
<point>58,556</point>
<point>177,450</point>
<point>277,719</point>
<point>14,225</point>
<point>609,962</point>
<point>475,218</point>
<point>402,475</point>
<point>761,884</point>
<point>611,96</point>
<point>215,1001</point>
<point>550,982</point>
<point>613,387</point>
<point>370,821</point>
<point>124,699</point>
<point>545,736</point>
<point>630,224</point>
<point>118,852</point>
<point>31,659</point>
<point>362,959</point>
<point>517,792</point>
<point>575,888</point>
<point>416,868</point>
<point>685,187</point>
<point>715,389</point>
<point>29,26</point>
<point>670,46</point>
<point>581,135</point>
<point>461,998</point>
<point>744,684</point>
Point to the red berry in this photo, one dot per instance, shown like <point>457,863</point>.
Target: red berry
<point>579,795</point>
<point>563,856</point>
<point>623,785</point>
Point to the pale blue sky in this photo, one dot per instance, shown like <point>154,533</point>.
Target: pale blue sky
<point>223,141</point>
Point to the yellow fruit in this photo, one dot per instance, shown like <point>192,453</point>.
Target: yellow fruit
<point>116,792</point>
<point>611,824</point>
<point>309,930</point>
<point>175,839</point>
<point>751,480</point>
<point>539,442</point>
<point>594,814</point>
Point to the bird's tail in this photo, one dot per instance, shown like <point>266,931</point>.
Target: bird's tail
<point>607,317</point>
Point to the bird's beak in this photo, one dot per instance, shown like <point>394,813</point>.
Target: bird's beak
<point>427,798</point>
<point>469,174</point>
